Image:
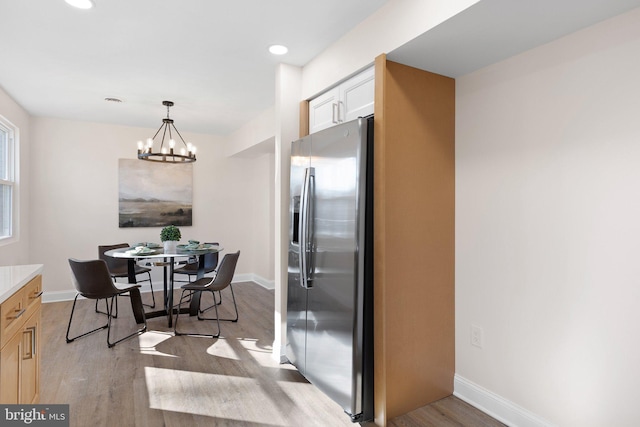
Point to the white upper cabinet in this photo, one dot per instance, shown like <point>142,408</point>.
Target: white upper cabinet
<point>323,110</point>
<point>357,96</point>
<point>349,100</point>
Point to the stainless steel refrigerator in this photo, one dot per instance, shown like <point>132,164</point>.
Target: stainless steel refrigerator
<point>330,279</point>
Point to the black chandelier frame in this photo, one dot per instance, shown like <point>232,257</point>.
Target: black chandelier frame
<point>168,156</point>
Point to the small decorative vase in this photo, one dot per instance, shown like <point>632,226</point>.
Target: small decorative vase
<point>170,246</point>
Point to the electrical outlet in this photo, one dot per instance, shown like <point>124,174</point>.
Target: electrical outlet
<point>477,336</point>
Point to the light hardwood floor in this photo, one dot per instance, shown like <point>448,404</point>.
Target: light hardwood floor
<point>448,412</point>
<point>157,379</point>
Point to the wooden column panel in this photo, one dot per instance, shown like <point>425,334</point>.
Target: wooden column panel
<point>414,211</point>
<point>304,118</point>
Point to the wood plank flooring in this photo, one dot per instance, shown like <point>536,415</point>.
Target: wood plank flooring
<point>448,412</point>
<point>157,379</point>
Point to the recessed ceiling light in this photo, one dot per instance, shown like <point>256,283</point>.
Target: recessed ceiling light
<point>80,4</point>
<point>278,49</point>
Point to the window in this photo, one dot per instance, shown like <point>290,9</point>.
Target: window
<point>7,179</point>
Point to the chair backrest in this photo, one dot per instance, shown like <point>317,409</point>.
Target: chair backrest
<point>115,265</point>
<point>92,278</point>
<point>210,262</point>
<point>225,271</point>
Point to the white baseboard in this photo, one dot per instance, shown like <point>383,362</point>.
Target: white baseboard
<point>250,277</point>
<point>57,296</point>
<point>496,406</point>
<point>282,359</point>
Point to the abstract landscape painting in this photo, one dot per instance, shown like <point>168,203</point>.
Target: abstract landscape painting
<point>155,194</point>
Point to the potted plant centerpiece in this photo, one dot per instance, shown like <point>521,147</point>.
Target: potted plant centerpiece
<point>170,236</point>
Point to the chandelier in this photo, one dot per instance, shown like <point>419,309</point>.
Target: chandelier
<point>166,154</point>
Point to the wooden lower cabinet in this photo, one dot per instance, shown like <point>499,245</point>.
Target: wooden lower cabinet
<point>30,360</point>
<point>20,354</point>
<point>10,370</point>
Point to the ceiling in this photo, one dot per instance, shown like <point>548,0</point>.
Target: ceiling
<point>208,56</point>
<point>493,30</point>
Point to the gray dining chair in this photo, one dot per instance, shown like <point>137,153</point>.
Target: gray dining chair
<point>191,269</point>
<point>118,269</point>
<point>93,281</point>
<point>221,281</point>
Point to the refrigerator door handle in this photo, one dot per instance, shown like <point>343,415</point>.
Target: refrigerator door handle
<point>303,232</point>
<point>311,238</point>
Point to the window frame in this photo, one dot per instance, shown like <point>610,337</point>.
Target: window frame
<point>12,163</point>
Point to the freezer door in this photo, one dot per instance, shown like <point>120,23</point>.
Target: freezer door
<point>332,357</point>
<point>296,294</point>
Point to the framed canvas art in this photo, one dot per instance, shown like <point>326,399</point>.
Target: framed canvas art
<point>154,194</point>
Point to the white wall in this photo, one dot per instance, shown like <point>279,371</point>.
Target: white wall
<point>74,194</point>
<point>391,26</point>
<point>288,83</point>
<point>548,227</point>
<point>262,193</point>
<point>15,251</point>
<point>254,137</point>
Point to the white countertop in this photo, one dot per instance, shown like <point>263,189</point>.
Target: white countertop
<point>14,277</point>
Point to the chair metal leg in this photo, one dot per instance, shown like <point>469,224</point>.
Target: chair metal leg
<point>73,308</point>
<point>134,302</point>
<point>153,297</point>
<point>190,281</point>
<point>175,326</point>
<point>115,316</point>
<point>235,306</point>
<point>181,302</point>
<point>214,299</point>
<point>184,281</point>
<point>138,314</point>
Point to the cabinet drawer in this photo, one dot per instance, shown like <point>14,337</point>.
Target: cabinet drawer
<point>32,295</point>
<point>12,316</point>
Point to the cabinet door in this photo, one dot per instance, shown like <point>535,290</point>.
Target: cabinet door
<point>351,99</point>
<point>30,360</point>
<point>10,370</point>
<point>323,111</point>
<point>356,98</point>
